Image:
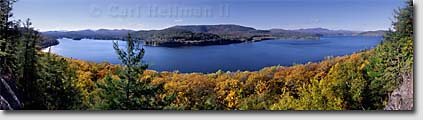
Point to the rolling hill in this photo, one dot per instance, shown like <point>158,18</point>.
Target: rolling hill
<point>198,35</point>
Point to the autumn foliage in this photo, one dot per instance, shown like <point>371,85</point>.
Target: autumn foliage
<point>334,84</point>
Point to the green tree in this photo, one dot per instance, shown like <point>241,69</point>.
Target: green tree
<point>9,35</point>
<point>112,94</point>
<point>393,59</point>
<point>45,81</point>
<point>42,81</point>
<point>57,83</point>
<point>28,59</point>
<point>132,92</point>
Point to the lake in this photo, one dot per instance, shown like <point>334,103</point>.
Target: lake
<point>251,56</point>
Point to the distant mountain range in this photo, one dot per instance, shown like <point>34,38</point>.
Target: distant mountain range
<point>327,32</point>
<point>190,35</point>
<point>90,34</point>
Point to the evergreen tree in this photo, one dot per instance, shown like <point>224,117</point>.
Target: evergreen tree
<point>393,59</point>
<point>132,92</point>
<point>28,59</point>
<point>57,82</point>
<point>9,35</point>
<point>112,94</point>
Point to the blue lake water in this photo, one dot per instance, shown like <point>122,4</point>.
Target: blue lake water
<point>243,56</point>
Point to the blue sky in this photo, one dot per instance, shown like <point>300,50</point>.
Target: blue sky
<point>359,15</point>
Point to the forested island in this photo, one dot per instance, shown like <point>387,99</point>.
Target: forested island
<point>376,79</point>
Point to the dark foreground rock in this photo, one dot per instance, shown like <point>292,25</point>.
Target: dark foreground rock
<point>8,98</point>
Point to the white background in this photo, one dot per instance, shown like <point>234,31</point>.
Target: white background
<point>249,115</point>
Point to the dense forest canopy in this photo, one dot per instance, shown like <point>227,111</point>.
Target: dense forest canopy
<point>381,78</point>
